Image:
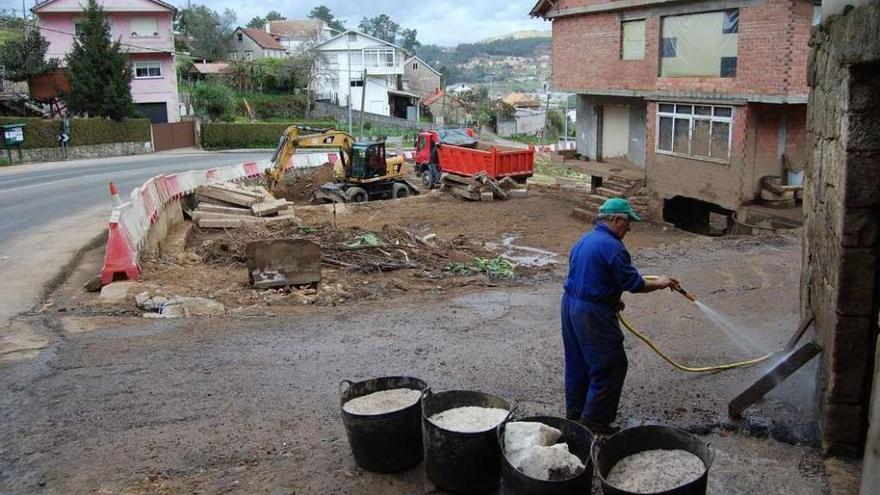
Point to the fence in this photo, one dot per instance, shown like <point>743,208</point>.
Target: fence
<point>340,114</point>
<point>149,206</point>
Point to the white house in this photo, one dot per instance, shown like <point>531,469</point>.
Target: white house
<point>347,58</point>
<point>293,34</point>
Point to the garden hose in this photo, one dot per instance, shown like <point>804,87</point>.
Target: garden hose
<point>681,367</point>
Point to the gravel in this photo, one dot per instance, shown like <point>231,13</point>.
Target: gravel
<point>382,402</point>
<point>470,419</point>
<point>654,471</point>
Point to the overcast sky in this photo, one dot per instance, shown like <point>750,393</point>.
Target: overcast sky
<point>439,22</point>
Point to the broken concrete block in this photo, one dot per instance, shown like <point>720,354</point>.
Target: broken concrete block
<point>226,223</point>
<point>518,193</point>
<point>93,284</point>
<point>115,293</point>
<point>283,262</point>
<point>227,210</point>
<point>228,195</point>
<point>487,196</point>
<point>266,208</point>
<point>192,306</point>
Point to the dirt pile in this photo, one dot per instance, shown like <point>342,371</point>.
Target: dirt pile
<point>299,189</point>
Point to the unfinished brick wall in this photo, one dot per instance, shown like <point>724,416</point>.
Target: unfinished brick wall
<point>842,229</point>
<point>772,52</point>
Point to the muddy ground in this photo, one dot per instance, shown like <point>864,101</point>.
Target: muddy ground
<point>248,403</point>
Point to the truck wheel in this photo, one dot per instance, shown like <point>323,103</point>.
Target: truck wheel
<point>399,191</point>
<point>428,179</point>
<point>357,195</point>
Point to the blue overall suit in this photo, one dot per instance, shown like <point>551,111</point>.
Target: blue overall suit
<point>600,269</point>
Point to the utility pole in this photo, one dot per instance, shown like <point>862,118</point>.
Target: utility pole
<point>348,78</point>
<point>546,112</point>
<point>363,100</point>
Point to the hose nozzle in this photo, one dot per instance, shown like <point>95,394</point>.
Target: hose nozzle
<point>685,293</point>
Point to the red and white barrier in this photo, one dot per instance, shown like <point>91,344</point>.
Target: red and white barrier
<point>131,221</point>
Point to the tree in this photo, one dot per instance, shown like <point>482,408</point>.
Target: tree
<point>25,57</point>
<point>323,13</point>
<point>205,32</point>
<point>381,27</point>
<point>99,72</point>
<point>260,22</point>
<point>213,101</point>
<point>409,41</point>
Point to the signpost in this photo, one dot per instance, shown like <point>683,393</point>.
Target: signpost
<point>13,136</point>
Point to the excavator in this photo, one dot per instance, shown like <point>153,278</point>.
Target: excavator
<point>363,174</point>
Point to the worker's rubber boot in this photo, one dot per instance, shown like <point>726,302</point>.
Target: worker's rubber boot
<point>599,429</point>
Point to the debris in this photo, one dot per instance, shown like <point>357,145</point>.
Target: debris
<point>653,471</point>
<point>260,205</point>
<point>555,463</point>
<point>283,262</point>
<point>93,284</point>
<point>478,187</point>
<point>115,293</point>
<point>147,302</point>
<point>518,193</point>
<point>370,239</point>
<point>228,210</point>
<point>470,419</point>
<point>227,194</point>
<point>383,402</point>
<point>521,435</point>
<point>192,306</point>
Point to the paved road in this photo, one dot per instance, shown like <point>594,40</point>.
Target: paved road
<point>48,211</point>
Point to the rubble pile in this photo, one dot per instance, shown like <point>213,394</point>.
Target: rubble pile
<point>480,187</point>
<point>535,450</point>
<point>223,206</point>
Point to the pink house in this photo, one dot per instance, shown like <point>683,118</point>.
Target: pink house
<point>144,28</point>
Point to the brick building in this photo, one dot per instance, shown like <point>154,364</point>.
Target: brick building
<point>704,97</point>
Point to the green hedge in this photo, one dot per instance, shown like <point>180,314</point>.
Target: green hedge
<point>43,133</point>
<point>274,106</point>
<point>229,136</point>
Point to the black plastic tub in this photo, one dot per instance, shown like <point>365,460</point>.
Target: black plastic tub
<point>383,443</point>
<point>579,440</point>
<point>607,452</point>
<point>456,462</point>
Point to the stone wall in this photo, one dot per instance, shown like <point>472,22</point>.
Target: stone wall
<point>80,152</point>
<point>842,219</point>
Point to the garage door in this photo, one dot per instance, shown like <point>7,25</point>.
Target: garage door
<point>156,112</point>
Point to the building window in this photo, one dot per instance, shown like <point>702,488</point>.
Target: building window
<point>632,40</point>
<point>357,83</point>
<point>696,131</point>
<point>415,66</point>
<point>352,37</point>
<point>233,55</point>
<point>817,14</point>
<point>240,37</point>
<point>379,57</point>
<point>699,45</point>
<point>147,70</point>
<point>248,55</point>
<point>144,27</point>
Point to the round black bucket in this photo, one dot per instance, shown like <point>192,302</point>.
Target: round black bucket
<point>383,443</point>
<point>579,441</point>
<point>606,453</point>
<point>459,462</point>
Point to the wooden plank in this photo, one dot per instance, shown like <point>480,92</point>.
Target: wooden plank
<point>801,330</point>
<point>227,195</point>
<point>772,378</point>
<point>209,208</point>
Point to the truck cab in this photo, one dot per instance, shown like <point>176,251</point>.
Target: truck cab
<point>428,166</point>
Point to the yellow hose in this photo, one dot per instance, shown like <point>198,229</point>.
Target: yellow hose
<point>689,369</point>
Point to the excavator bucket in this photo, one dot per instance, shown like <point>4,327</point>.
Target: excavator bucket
<point>283,262</point>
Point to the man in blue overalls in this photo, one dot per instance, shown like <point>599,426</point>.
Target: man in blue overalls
<point>600,270</point>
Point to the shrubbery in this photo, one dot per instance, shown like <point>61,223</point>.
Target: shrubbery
<point>231,136</point>
<point>214,101</point>
<point>274,106</point>
<point>43,133</point>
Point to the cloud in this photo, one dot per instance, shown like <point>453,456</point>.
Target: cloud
<point>439,22</point>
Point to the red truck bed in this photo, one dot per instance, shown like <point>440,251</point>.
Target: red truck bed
<point>496,161</point>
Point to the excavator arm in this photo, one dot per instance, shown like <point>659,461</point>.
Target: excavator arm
<point>291,140</point>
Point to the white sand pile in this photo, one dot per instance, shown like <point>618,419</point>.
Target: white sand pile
<point>655,471</point>
<point>383,402</point>
<point>532,449</point>
<point>469,419</point>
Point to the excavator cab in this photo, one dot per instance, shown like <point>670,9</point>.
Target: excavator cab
<point>368,161</point>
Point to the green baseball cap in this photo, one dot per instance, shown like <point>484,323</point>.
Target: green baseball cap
<point>619,206</point>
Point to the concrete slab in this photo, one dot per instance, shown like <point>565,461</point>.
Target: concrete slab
<point>116,293</point>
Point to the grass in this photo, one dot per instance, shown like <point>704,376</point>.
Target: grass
<point>497,267</point>
<point>544,166</point>
<point>551,139</point>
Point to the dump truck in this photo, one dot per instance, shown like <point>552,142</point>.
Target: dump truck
<point>457,151</point>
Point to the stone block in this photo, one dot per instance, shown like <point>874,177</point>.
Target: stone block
<point>857,273</point>
<point>848,359</point>
<point>862,179</point>
<point>864,89</point>
<point>862,131</point>
<point>860,227</point>
<point>116,293</point>
<point>192,306</point>
<point>841,424</point>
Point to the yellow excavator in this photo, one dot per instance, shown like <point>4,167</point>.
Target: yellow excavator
<point>363,174</point>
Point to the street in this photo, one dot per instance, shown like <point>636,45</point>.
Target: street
<point>51,210</point>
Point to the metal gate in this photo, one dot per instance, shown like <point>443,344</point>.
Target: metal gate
<point>173,136</point>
